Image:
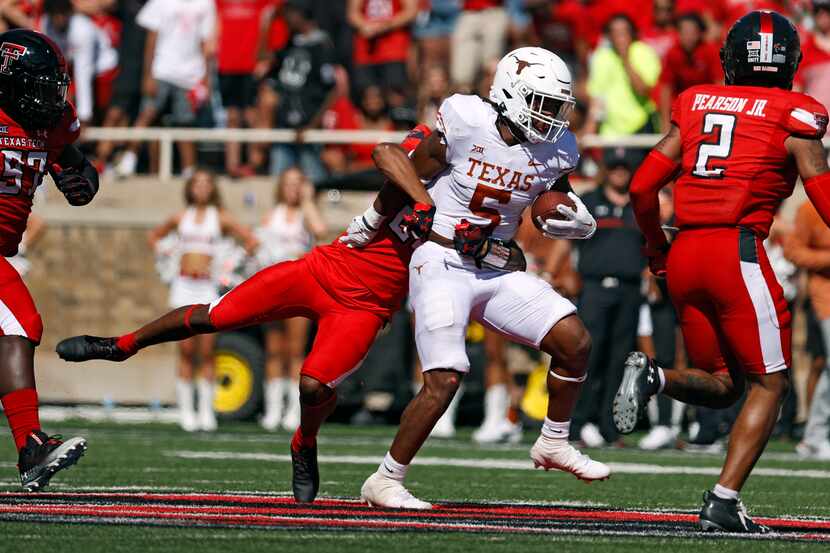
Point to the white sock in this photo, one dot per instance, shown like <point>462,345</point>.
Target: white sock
<point>205,388</point>
<point>724,493</point>
<point>662,376</point>
<point>292,388</point>
<point>184,395</point>
<point>390,468</point>
<point>275,394</point>
<point>496,402</point>
<point>556,430</point>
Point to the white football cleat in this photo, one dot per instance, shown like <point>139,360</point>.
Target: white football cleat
<point>659,437</point>
<point>559,454</point>
<point>819,451</point>
<point>380,491</point>
<point>497,432</point>
<point>591,436</point>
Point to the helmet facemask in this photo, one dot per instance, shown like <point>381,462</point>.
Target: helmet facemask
<point>545,118</point>
<point>44,100</point>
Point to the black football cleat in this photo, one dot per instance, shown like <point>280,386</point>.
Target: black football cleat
<point>84,348</point>
<point>305,479</point>
<point>727,515</point>
<point>43,456</point>
<point>640,381</point>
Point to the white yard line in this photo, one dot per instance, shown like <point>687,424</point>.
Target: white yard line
<point>619,467</point>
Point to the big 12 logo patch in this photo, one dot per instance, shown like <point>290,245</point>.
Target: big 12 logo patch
<point>10,51</point>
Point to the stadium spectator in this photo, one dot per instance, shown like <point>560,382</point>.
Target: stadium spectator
<point>382,37</point>
<point>435,86</point>
<point>199,228</point>
<point>661,33</point>
<point>371,114</point>
<point>180,43</point>
<point>814,71</point>
<point>560,27</point>
<point>88,49</point>
<point>691,61</point>
<point>808,246</point>
<point>611,267</point>
<point>303,77</point>
<point>240,26</point>
<point>432,30</point>
<point>287,232</point>
<point>126,93</point>
<point>621,77</point>
<point>479,37</point>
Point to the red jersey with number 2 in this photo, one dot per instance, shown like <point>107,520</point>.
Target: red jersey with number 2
<point>25,158</point>
<point>374,278</point>
<point>736,170</point>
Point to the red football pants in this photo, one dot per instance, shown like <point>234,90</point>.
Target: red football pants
<point>18,314</point>
<point>287,290</point>
<point>732,310</point>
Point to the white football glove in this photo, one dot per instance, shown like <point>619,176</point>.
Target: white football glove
<point>578,225</point>
<point>362,228</point>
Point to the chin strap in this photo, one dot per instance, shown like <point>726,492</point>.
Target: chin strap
<point>818,190</point>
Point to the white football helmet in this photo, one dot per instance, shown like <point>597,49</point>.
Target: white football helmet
<point>532,86</point>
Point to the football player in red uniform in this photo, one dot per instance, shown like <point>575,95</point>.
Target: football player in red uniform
<point>738,149</point>
<point>350,287</point>
<point>37,129</point>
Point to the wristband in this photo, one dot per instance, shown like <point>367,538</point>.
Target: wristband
<point>372,219</point>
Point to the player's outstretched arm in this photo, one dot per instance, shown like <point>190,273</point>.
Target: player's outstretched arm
<point>75,176</point>
<point>396,166</point>
<point>811,160</point>
<point>654,173</point>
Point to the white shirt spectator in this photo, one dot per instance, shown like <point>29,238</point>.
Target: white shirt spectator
<point>89,50</point>
<point>182,26</point>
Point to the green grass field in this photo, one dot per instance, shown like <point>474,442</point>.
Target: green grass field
<point>240,458</point>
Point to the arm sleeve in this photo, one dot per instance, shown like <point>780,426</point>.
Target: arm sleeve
<point>654,173</point>
<point>150,15</point>
<point>818,190</point>
<point>69,128</point>
<point>208,24</point>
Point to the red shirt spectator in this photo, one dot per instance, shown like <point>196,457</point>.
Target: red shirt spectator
<point>278,31</point>
<point>561,26</point>
<point>691,61</point>
<point>377,46</point>
<point>660,33</point>
<point>239,26</point>
<point>601,11</point>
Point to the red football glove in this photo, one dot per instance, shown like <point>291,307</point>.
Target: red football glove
<point>419,222</point>
<point>470,239</point>
<point>657,259</point>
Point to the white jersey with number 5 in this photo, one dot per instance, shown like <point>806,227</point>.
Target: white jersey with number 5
<point>488,182</point>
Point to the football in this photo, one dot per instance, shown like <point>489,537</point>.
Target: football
<point>546,203</point>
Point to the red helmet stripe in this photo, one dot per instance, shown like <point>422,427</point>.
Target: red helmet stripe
<point>766,22</point>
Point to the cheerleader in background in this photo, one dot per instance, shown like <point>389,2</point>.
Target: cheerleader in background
<point>287,232</point>
<point>200,227</point>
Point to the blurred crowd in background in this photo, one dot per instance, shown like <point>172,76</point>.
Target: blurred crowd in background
<point>387,64</point>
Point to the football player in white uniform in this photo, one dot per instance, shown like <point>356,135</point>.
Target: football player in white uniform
<point>488,161</point>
